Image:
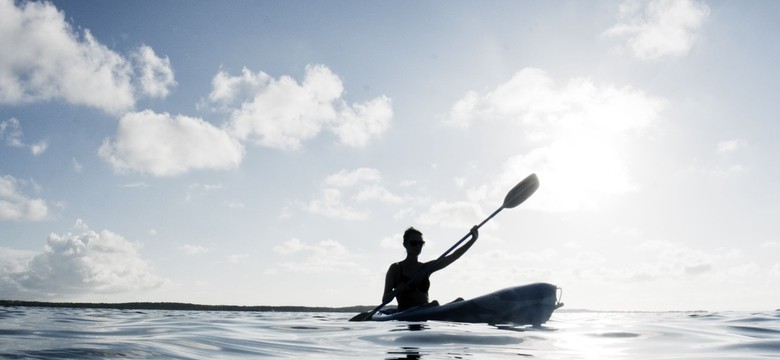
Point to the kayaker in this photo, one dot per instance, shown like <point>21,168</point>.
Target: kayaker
<point>399,274</point>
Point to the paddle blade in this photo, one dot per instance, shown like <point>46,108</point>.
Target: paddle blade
<point>521,192</point>
<point>364,316</point>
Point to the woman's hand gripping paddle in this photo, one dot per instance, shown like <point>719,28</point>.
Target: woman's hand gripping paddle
<point>521,192</point>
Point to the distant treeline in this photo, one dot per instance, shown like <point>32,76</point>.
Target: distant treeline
<point>181,306</point>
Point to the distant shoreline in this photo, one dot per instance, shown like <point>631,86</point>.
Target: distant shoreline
<point>181,306</point>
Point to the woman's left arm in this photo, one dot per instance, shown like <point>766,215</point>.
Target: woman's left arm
<point>449,259</point>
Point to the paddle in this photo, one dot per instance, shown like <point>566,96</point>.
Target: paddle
<point>521,192</point>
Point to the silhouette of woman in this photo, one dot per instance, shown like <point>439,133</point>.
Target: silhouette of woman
<point>399,274</point>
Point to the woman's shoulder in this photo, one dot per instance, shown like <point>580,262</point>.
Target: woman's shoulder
<point>428,263</point>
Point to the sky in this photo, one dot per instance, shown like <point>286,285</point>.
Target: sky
<point>273,153</point>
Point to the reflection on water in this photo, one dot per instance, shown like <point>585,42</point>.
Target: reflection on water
<point>40,333</point>
<point>405,353</point>
<point>404,326</point>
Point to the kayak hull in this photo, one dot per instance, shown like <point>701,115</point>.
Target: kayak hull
<point>520,305</point>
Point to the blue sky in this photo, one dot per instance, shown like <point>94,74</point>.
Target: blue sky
<point>273,152</point>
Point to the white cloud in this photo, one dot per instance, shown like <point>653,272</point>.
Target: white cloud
<point>284,113</point>
<point>156,75</point>
<point>661,28</point>
<point>73,264</point>
<point>45,59</point>
<point>394,242</point>
<point>290,247</point>
<point>324,256</point>
<point>747,271</point>
<point>13,261</point>
<point>769,244</point>
<point>165,145</point>
<point>452,214</point>
<point>340,192</point>
<point>728,163</point>
<point>671,260</point>
<point>193,249</point>
<point>531,98</point>
<point>330,204</point>
<point>281,113</point>
<point>237,258</point>
<point>586,259</point>
<point>626,233</point>
<point>460,182</point>
<point>774,272</point>
<point>234,204</point>
<point>229,91</point>
<point>77,167</point>
<point>407,183</point>
<point>731,146</point>
<point>11,131</point>
<point>136,185</point>
<point>578,133</point>
<point>377,192</point>
<point>39,147</point>
<point>197,189</point>
<point>728,170</point>
<point>485,269</point>
<point>323,248</point>
<point>356,125</point>
<point>15,205</point>
<point>346,178</point>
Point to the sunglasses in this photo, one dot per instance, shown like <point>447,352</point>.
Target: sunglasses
<point>416,243</point>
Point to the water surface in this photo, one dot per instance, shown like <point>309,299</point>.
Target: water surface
<point>62,333</point>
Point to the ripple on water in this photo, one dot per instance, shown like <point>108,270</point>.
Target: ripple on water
<point>33,333</point>
<point>755,331</point>
<point>758,346</point>
<point>616,334</point>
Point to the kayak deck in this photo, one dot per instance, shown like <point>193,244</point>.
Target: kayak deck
<point>531,304</point>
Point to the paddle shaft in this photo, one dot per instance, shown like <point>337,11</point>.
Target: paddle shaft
<point>433,264</point>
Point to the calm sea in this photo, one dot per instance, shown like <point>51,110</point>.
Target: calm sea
<point>53,333</point>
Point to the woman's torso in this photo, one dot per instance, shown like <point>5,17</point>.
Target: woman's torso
<point>417,294</point>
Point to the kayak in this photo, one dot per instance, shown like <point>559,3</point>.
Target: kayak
<point>520,305</point>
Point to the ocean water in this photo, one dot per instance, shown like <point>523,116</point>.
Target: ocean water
<point>56,333</point>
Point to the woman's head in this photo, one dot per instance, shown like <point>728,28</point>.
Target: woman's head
<point>413,239</point>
